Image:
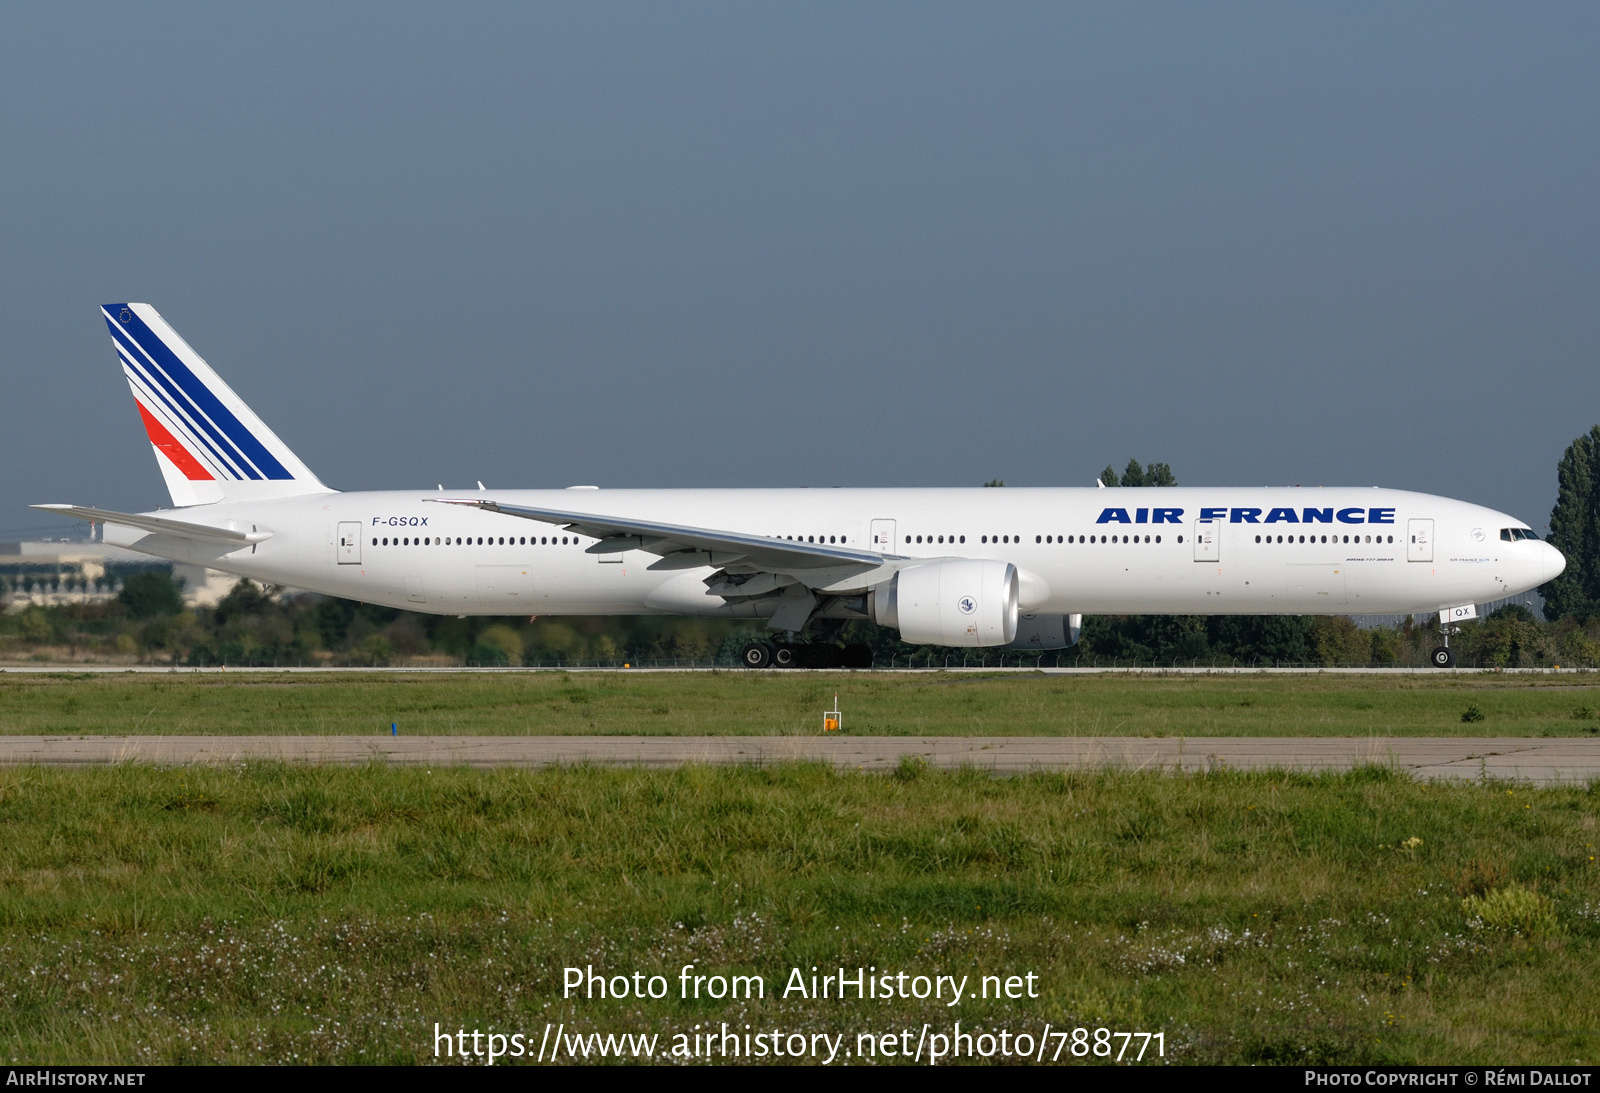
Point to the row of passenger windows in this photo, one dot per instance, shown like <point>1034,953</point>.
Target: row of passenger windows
<point>1053,539</point>
<point>482,540</point>
<point>1324,539</point>
<point>1045,539</point>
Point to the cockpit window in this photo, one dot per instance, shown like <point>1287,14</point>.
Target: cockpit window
<point>1516,534</point>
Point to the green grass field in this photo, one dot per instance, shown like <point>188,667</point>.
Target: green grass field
<point>270,913</point>
<point>778,703</point>
<point>284,913</point>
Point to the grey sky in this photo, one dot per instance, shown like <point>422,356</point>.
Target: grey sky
<point>819,245</point>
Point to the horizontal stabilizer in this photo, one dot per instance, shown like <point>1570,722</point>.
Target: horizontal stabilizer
<point>159,525</point>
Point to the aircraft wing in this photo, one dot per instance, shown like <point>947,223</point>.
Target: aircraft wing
<point>159,525</point>
<point>703,546</point>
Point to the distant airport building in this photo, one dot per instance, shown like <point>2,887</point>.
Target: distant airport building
<point>53,572</point>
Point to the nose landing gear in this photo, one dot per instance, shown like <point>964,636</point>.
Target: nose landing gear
<point>1442,657</point>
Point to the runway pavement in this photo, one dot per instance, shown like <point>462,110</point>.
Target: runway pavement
<point>1534,760</point>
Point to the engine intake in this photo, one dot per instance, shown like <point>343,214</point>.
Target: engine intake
<point>965,604</point>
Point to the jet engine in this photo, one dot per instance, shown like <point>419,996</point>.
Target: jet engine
<point>966,603</point>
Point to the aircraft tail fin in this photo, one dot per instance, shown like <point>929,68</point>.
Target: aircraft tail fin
<point>209,444</point>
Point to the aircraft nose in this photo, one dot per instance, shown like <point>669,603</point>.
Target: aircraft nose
<point>1554,563</point>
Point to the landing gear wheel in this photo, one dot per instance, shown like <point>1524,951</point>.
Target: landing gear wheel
<point>783,656</point>
<point>758,654</point>
<point>1443,658</point>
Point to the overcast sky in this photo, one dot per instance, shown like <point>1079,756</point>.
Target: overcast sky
<point>744,245</point>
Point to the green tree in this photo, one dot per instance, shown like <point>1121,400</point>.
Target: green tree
<point>504,639</point>
<point>1264,639</point>
<point>1508,638</point>
<point>377,651</point>
<point>246,598</point>
<point>1575,531</point>
<point>37,626</point>
<point>1340,643</point>
<point>151,593</point>
<point>1154,638</point>
<point>1150,474</point>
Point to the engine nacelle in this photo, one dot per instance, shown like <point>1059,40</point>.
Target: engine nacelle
<point>962,603</point>
<point>1042,632</point>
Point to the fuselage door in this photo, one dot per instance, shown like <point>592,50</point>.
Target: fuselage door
<point>1207,541</point>
<point>349,543</point>
<point>1419,540</point>
<point>883,536</point>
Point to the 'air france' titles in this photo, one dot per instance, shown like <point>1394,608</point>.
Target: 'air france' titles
<point>1244,515</point>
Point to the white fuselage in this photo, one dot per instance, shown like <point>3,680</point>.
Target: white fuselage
<point>1106,551</point>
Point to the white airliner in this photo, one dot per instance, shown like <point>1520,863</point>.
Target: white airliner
<point>954,567</point>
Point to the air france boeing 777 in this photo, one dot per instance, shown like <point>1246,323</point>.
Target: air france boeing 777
<point>1013,568</point>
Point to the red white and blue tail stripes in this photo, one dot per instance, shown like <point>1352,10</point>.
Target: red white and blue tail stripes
<point>201,430</point>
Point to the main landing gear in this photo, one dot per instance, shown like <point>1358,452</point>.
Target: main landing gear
<point>773,654</point>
